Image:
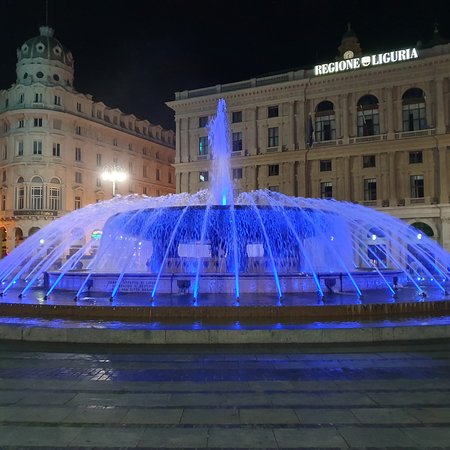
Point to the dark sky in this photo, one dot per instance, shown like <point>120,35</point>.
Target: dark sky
<point>135,55</point>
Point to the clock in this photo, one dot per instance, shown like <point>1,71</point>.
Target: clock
<point>348,54</point>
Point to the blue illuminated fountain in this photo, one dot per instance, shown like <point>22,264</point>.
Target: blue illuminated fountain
<point>215,242</point>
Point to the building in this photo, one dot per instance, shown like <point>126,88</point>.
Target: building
<point>55,142</point>
<point>370,129</point>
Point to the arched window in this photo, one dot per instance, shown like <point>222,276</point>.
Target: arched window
<point>368,120</point>
<point>33,230</point>
<point>423,228</point>
<point>325,122</point>
<point>414,111</point>
<point>18,236</point>
<point>37,193</point>
<point>20,194</point>
<point>54,195</point>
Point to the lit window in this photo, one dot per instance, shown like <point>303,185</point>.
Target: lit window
<point>237,173</point>
<point>272,137</point>
<point>370,189</point>
<point>273,170</point>
<point>326,190</point>
<point>203,145</point>
<point>236,116</point>
<point>416,157</point>
<point>325,165</point>
<point>417,186</point>
<point>272,111</point>
<point>237,141</point>
<point>56,149</point>
<point>369,161</point>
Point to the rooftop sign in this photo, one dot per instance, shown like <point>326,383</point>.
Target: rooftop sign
<point>365,61</point>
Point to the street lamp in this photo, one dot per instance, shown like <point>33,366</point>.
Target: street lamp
<point>114,174</point>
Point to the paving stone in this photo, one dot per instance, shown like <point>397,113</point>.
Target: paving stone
<point>210,416</point>
<point>268,416</point>
<point>174,438</point>
<point>96,415</point>
<point>50,414</point>
<point>37,436</point>
<point>429,436</point>
<point>153,416</point>
<point>107,437</point>
<point>309,437</point>
<point>376,437</point>
<point>384,415</point>
<point>241,438</point>
<point>326,416</point>
<point>431,415</point>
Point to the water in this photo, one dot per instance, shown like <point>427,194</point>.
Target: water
<point>213,241</point>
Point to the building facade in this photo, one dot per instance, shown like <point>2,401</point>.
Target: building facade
<point>55,142</point>
<point>371,129</point>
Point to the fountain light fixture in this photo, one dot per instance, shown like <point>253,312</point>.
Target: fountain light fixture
<point>114,174</point>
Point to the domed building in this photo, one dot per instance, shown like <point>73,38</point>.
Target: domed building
<point>55,143</point>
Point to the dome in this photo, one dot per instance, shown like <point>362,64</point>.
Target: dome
<point>44,59</point>
<point>45,46</point>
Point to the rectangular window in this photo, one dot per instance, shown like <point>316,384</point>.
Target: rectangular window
<point>130,167</point>
<point>236,117</point>
<point>202,121</point>
<point>158,175</point>
<point>20,197</point>
<point>203,145</point>
<point>4,176</point>
<point>274,188</point>
<point>78,107</point>
<point>5,152</point>
<point>325,165</point>
<point>273,170</point>
<point>56,149</point>
<point>99,159</point>
<point>21,98</point>
<point>37,121</point>
<point>98,182</point>
<point>3,202</point>
<point>38,97</point>
<point>99,115</point>
<point>272,137</point>
<point>130,146</point>
<point>20,148</point>
<point>417,186</point>
<point>78,130</point>
<point>77,204</point>
<point>414,117</point>
<point>21,123</point>
<point>37,147</point>
<point>203,176</point>
<point>237,173</point>
<point>57,100</point>
<point>326,189</point>
<point>170,178</point>
<point>144,190</point>
<point>144,171</point>
<point>369,161</point>
<point>416,157</point>
<point>78,177</point>
<point>77,154</point>
<point>36,197</point>
<point>370,189</point>
<point>53,196</point>
<point>237,141</point>
<point>115,142</point>
<point>272,111</point>
<point>368,122</point>
<point>6,102</point>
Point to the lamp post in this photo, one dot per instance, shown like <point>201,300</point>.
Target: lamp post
<point>114,174</point>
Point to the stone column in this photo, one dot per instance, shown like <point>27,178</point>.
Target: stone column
<point>347,179</point>
<point>440,113</point>
<point>301,134</point>
<point>392,180</point>
<point>291,138</point>
<point>178,140</point>
<point>443,176</point>
<point>389,114</point>
<point>345,114</point>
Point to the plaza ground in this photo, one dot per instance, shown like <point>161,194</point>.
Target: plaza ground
<point>55,396</point>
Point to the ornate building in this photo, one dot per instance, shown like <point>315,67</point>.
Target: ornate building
<point>369,129</point>
<point>55,142</point>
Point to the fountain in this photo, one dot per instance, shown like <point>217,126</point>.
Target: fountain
<point>214,242</point>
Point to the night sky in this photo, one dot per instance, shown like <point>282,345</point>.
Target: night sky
<point>135,55</point>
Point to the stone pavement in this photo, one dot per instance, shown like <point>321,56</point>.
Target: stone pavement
<point>55,396</point>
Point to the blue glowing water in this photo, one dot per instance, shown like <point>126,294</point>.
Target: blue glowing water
<point>215,242</point>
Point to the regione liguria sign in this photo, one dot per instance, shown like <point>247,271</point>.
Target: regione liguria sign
<point>365,61</point>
